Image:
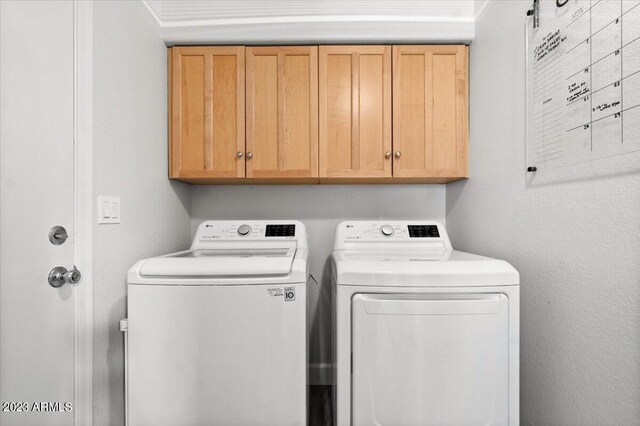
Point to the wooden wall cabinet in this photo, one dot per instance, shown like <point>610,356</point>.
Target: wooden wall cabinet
<point>330,114</point>
<point>430,112</point>
<point>355,111</point>
<point>206,122</point>
<point>282,112</point>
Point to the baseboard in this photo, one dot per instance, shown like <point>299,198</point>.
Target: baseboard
<point>320,374</point>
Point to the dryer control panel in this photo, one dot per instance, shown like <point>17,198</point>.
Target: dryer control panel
<point>423,231</point>
<point>428,234</point>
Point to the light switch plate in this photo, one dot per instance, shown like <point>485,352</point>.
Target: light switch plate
<point>108,209</point>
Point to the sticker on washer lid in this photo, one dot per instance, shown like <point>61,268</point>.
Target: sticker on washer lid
<point>289,294</point>
<point>273,292</point>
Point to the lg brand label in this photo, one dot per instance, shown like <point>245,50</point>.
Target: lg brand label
<point>289,294</point>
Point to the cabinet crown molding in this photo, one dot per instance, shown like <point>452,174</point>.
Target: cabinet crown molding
<point>312,22</point>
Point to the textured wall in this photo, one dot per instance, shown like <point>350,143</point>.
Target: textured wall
<point>320,208</point>
<point>574,235</point>
<point>130,149</point>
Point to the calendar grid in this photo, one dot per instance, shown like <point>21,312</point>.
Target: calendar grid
<point>584,82</point>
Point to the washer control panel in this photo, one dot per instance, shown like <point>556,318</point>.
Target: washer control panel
<point>223,230</point>
<point>282,230</point>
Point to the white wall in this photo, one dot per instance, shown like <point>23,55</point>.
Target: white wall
<point>130,161</point>
<point>320,208</point>
<point>574,235</point>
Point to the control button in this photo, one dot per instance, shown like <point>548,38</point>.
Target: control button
<point>386,230</point>
<point>244,230</point>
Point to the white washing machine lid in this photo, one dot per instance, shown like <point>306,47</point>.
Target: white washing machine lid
<point>420,268</point>
<point>232,253</point>
<point>221,262</point>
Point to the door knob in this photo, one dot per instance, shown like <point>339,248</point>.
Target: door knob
<point>249,155</point>
<point>398,154</point>
<point>60,276</point>
<point>239,154</point>
<point>387,155</point>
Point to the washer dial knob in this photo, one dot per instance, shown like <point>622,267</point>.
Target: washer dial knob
<point>244,230</point>
<point>386,230</point>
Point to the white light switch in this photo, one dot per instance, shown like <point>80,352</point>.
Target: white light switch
<point>108,209</point>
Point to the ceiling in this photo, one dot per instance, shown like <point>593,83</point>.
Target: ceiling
<point>304,21</point>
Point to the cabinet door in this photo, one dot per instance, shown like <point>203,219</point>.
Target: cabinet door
<point>282,112</point>
<point>430,109</point>
<point>355,111</point>
<point>206,90</point>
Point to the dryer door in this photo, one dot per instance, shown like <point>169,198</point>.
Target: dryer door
<point>430,359</point>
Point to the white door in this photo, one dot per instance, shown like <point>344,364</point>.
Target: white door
<point>430,359</point>
<point>36,184</point>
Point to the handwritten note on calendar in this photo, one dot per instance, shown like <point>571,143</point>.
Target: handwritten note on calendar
<point>583,81</point>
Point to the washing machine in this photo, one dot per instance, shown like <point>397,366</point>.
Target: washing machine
<point>216,335</point>
<point>424,334</point>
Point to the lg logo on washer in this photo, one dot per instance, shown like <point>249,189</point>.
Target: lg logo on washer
<point>289,294</point>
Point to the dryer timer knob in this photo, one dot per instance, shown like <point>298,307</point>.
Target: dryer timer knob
<point>386,230</point>
<point>244,230</point>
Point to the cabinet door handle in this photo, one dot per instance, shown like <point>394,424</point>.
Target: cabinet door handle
<point>387,155</point>
<point>239,154</point>
<point>398,154</point>
<point>249,155</point>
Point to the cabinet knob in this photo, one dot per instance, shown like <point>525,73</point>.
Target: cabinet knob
<point>239,154</point>
<point>398,154</point>
<point>249,155</point>
<point>387,155</point>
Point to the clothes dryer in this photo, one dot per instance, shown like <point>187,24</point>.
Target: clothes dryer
<point>424,334</point>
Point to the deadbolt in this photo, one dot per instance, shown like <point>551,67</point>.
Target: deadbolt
<point>58,235</point>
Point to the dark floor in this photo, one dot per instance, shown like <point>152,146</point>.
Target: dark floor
<point>320,406</point>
